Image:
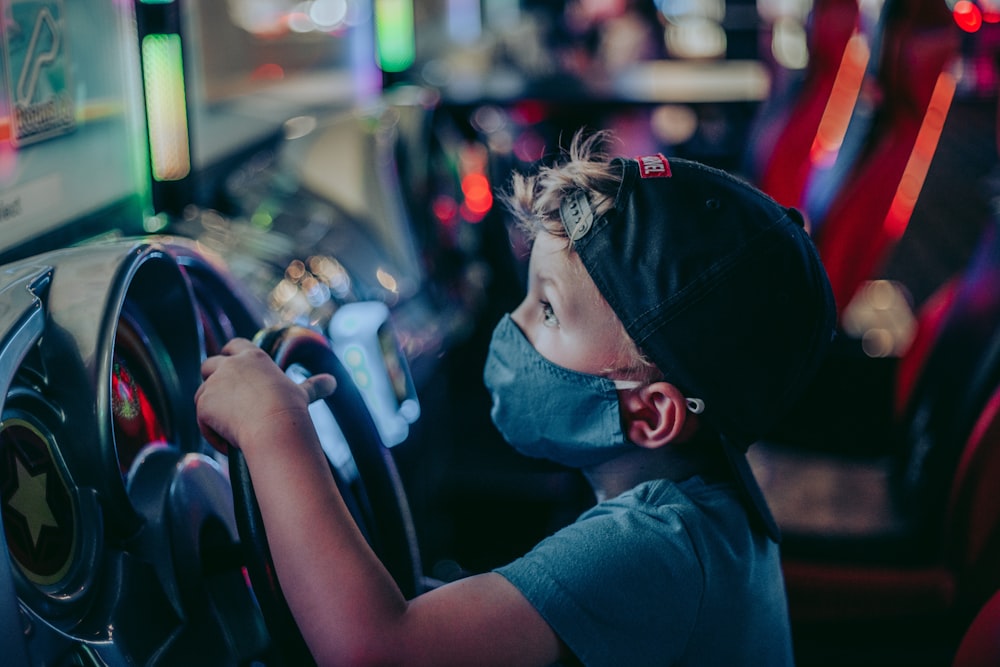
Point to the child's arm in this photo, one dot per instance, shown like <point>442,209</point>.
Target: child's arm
<point>346,604</point>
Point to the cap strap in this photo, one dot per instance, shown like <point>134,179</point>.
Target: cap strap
<point>577,216</point>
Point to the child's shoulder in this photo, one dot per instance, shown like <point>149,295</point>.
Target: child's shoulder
<point>674,495</point>
<point>693,506</point>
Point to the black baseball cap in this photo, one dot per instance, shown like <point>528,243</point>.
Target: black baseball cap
<point>720,286</point>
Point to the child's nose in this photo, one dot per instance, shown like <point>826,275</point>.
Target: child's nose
<point>519,315</point>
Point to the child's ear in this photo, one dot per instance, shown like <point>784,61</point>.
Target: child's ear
<point>653,415</point>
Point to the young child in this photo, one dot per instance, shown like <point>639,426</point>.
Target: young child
<point>673,314</point>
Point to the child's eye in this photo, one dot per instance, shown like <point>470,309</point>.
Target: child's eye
<point>549,318</point>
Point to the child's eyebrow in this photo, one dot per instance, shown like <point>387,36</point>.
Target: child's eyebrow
<point>550,281</point>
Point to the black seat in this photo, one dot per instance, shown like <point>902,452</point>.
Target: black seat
<point>907,534</point>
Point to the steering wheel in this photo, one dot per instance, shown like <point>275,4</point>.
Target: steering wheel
<point>375,498</point>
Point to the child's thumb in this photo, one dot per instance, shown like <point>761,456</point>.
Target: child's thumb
<point>319,386</point>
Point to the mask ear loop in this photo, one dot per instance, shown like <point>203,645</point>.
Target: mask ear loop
<point>695,405</point>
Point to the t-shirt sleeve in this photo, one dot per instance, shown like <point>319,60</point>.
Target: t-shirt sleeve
<point>618,587</point>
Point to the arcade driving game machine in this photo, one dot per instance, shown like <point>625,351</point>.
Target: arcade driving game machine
<point>124,541</point>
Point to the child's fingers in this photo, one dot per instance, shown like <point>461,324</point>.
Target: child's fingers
<point>233,348</point>
<point>209,366</point>
<point>214,439</point>
<point>319,386</point>
<point>237,345</point>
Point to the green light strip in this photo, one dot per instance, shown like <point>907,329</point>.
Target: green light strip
<point>394,33</point>
<point>166,108</point>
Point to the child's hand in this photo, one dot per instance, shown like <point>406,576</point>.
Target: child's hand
<point>245,396</point>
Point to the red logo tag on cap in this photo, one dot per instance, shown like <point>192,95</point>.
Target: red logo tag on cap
<point>653,166</point>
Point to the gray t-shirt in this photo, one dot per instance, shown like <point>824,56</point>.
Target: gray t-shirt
<point>665,574</point>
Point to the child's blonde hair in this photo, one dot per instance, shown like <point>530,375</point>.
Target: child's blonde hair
<point>533,200</point>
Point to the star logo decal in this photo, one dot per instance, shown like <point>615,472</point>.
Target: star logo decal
<point>31,502</point>
<point>39,515</point>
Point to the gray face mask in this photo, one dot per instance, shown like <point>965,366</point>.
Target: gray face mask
<point>547,411</point>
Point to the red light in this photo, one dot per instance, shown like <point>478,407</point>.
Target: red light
<point>990,10</point>
<point>469,215</point>
<point>445,208</point>
<point>8,155</point>
<point>967,16</point>
<point>843,97</point>
<point>529,146</point>
<point>529,112</point>
<point>478,197</point>
<point>268,72</point>
<point>912,181</point>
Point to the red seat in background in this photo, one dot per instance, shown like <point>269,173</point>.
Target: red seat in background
<point>980,646</point>
<point>788,124</point>
<point>857,223</point>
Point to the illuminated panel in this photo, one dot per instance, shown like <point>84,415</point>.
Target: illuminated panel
<point>38,73</point>
<point>136,402</point>
<point>394,34</point>
<point>166,106</point>
<point>364,341</point>
<point>38,513</point>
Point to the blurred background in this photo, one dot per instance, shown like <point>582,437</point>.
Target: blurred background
<point>296,158</point>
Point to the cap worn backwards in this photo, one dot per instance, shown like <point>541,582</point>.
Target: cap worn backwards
<point>717,283</point>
